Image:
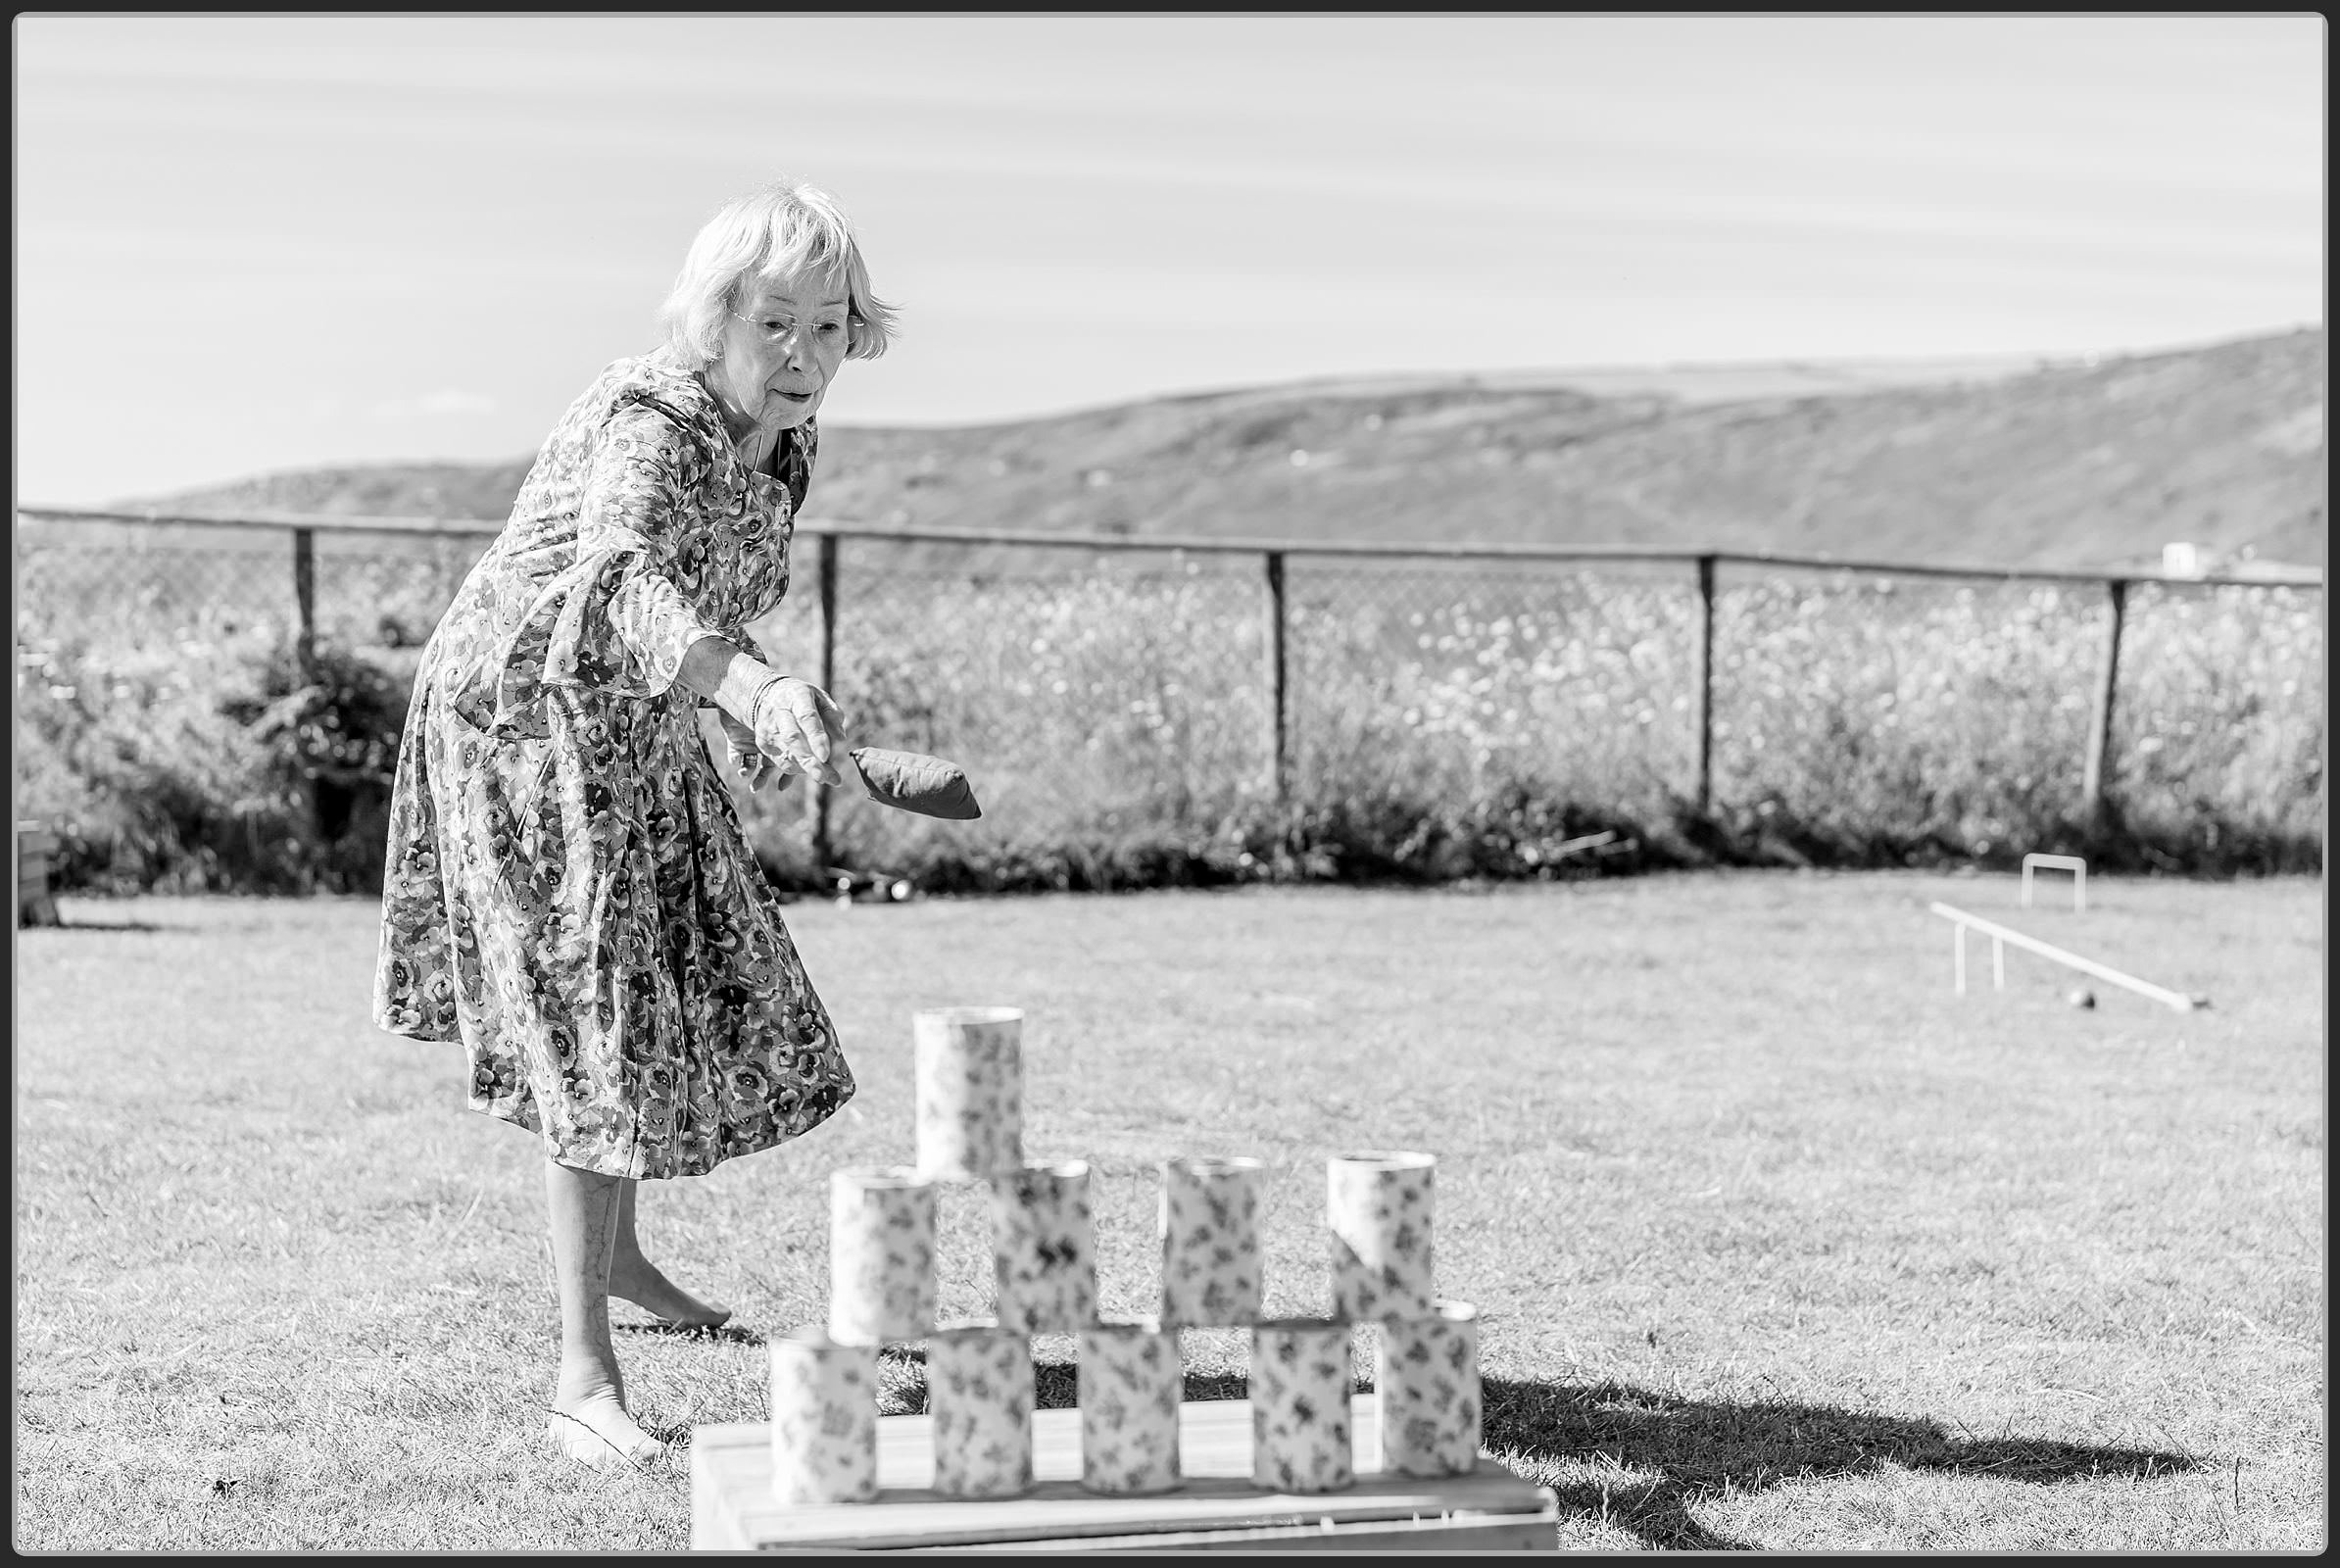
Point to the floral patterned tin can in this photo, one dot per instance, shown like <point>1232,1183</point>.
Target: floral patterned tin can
<point>1426,1387</point>
<point>1299,1405</point>
<point>1378,1207</point>
<point>970,1094</point>
<point>1131,1380</point>
<point>979,1392</point>
<point>881,1254</point>
<point>1210,1241</point>
<point>1043,1248</point>
<point>824,1419</point>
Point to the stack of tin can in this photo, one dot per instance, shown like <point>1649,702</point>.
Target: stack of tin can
<point>1131,1377</point>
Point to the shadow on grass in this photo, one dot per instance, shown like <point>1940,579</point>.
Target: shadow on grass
<point>1698,1448</point>
<point>99,925</point>
<point>721,1333</point>
<point>1694,1447</point>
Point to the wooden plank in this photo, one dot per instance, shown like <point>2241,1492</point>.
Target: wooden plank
<point>732,1507</point>
<point>1509,1532</point>
<point>2179,1001</point>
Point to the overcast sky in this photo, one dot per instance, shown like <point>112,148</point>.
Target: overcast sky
<point>252,243</point>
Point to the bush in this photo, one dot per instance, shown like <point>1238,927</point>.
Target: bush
<point>221,769</point>
<point>1442,723</point>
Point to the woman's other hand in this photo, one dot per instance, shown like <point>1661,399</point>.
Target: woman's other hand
<point>797,724</point>
<point>748,759</point>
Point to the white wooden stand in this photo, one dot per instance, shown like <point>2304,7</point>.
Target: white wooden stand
<point>1218,1509</point>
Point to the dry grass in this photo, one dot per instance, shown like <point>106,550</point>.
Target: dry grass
<point>1780,1243</point>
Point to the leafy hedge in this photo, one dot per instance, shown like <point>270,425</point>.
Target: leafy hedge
<point>1443,729</point>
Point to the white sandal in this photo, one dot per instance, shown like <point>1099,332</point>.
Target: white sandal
<point>593,1458</point>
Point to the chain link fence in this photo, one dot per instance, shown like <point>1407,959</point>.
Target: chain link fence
<point>1115,704</point>
<point>1463,679</point>
<point>1095,698</point>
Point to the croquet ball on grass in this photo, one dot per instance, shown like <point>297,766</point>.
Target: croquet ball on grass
<point>2082,997</point>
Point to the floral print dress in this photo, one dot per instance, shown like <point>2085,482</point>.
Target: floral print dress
<point>568,890</point>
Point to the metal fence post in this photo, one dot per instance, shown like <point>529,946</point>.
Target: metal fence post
<point>1703,692</point>
<point>2100,719</point>
<point>828,683</point>
<point>303,543</point>
<point>1275,671</point>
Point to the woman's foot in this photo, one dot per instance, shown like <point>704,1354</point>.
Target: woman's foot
<point>597,1433</point>
<point>639,1282</point>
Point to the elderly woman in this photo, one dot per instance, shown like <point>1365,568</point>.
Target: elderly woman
<point>568,890</point>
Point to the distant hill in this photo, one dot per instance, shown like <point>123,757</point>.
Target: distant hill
<point>2085,465</point>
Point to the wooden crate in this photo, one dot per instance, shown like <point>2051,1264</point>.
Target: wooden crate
<point>34,905</point>
<point>1491,1509</point>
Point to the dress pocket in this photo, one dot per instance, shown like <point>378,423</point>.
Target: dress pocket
<point>534,780</point>
<point>510,788</point>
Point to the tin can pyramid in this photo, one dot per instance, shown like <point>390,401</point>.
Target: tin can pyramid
<point>1131,1378</point>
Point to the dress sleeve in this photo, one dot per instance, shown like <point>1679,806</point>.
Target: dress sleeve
<point>614,620</point>
<point>622,626</point>
<point>745,641</point>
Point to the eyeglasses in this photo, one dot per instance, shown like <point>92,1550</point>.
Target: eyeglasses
<point>772,331</point>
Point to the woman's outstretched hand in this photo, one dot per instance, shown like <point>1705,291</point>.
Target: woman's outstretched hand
<point>772,724</point>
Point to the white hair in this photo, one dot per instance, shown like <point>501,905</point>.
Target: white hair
<point>786,231</point>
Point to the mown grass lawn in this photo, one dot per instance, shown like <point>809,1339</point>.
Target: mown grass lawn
<point>1780,1243</point>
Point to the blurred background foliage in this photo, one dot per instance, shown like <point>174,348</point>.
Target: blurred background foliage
<point>1444,721</point>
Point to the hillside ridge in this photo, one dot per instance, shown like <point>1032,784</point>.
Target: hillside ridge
<point>2072,464</point>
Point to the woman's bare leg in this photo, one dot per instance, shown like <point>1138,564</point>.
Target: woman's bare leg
<point>635,1278</point>
<point>589,1420</point>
